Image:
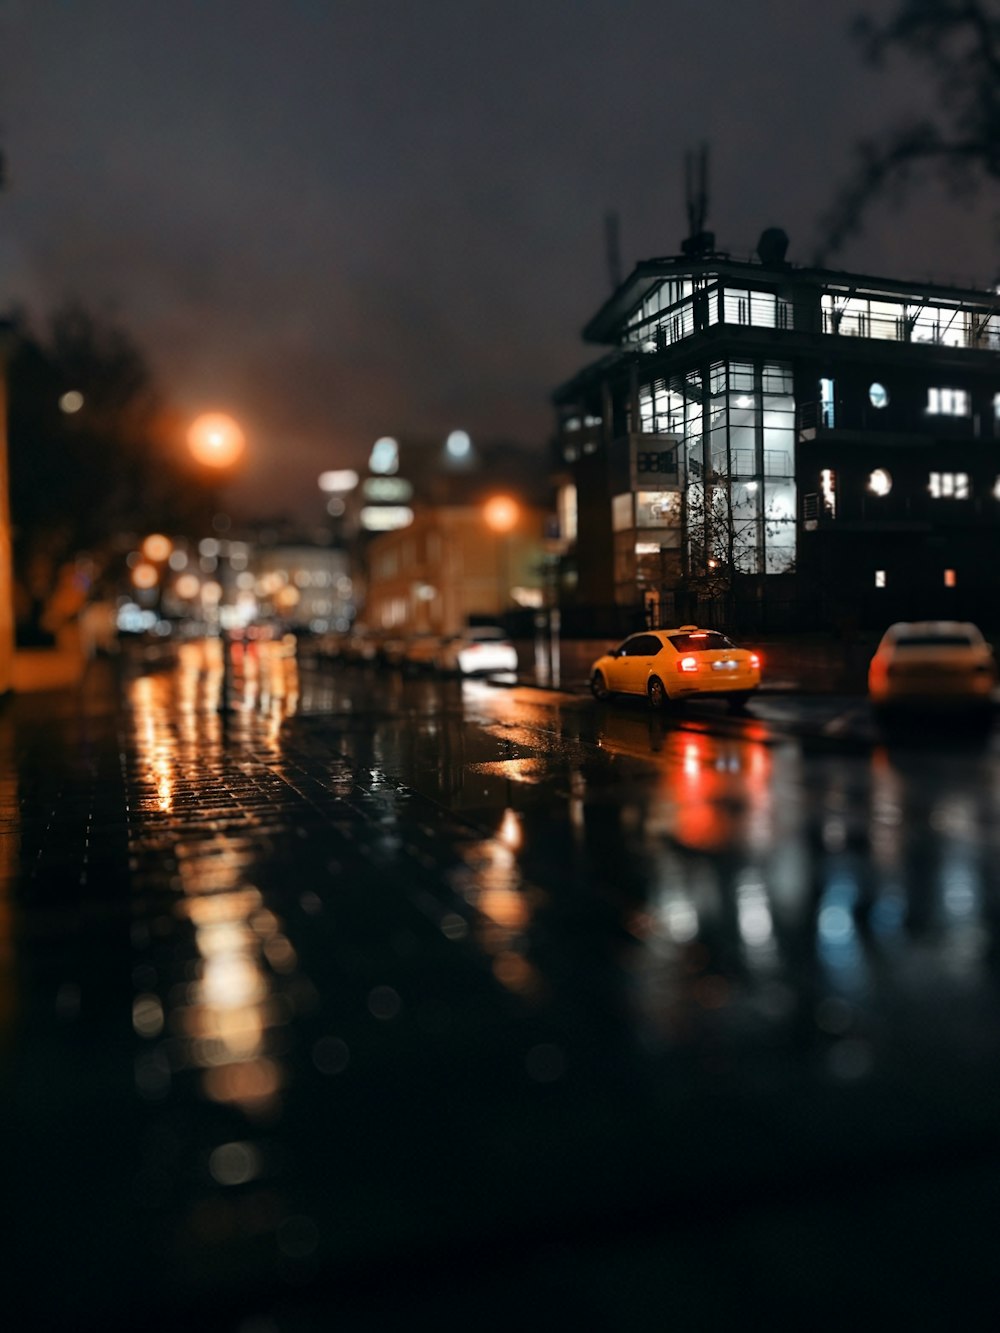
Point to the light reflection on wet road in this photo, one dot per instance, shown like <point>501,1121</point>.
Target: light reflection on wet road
<point>425,968</point>
<point>771,877</point>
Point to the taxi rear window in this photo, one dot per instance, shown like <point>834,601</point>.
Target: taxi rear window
<point>934,641</point>
<point>703,641</point>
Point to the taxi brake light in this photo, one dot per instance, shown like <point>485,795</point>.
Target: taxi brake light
<point>755,660</point>
<point>688,664</point>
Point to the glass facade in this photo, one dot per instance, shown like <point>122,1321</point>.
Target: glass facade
<point>738,461</point>
<point>908,319</point>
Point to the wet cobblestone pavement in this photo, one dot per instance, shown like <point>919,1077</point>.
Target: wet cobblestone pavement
<point>277,1054</point>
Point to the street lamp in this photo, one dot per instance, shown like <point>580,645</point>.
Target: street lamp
<point>217,441</point>
<point>502,513</point>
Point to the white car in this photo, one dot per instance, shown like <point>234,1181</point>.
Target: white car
<point>479,650</point>
<point>932,664</point>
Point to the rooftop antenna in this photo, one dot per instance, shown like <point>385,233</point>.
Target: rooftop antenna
<point>699,241</point>
<point>612,248</point>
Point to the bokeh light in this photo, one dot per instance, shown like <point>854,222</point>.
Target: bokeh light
<point>216,440</point>
<point>384,456</point>
<point>187,586</point>
<point>340,479</point>
<point>156,547</point>
<point>501,513</point>
<point>145,576</point>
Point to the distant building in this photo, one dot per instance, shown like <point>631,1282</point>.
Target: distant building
<point>449,569</point>
<point>772,446</point>
<point>307,586</point>
<point>430,561</point>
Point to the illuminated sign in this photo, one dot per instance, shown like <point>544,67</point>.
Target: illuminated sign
<point>392,490</point>
<point>653,461</point>
<point>342,479</point>
<point>386,518</point>
<point>385,455</point>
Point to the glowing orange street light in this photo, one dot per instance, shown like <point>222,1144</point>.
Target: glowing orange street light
<point>501,513</point>
<point>216,440</point>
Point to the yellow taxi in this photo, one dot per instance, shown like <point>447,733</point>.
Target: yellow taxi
<point>667,665</point>
<point>932,664</point>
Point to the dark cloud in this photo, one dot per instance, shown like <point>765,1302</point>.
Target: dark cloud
<point>338,220</point>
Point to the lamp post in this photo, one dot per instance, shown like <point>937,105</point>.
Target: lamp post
<point>217,442</point>
<point>502,513</point>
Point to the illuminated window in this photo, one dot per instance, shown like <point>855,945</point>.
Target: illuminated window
<point>567,512</point>
<point>949,578</point>
<point>622,513</point>
<point>947,402</point>
<point>826,407</point>
<point>828,490</point>
<point>880,578</point>
<point>880,481</point>
<point>657,509</point>
<point>878,395</point>
<point>949,485</point>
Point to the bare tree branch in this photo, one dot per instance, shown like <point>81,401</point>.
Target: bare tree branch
<point>958,41</point>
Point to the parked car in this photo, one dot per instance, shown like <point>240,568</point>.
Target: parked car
<point>667,665</point>
<point>934,664</point>
<point>478,650</point>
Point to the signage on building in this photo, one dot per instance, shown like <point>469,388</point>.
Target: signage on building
<point>387,490</point>
<point>653,461</point>
<point>386,518</point>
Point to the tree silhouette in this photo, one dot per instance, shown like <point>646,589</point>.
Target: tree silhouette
<point>957,43</point>
<point>81,478</point>
<point>724,533</point>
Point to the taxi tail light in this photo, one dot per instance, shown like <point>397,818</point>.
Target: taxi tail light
<point>755,661</point>
<point>688,664</point>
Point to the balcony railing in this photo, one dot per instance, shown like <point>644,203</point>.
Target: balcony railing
<point>936,327</point>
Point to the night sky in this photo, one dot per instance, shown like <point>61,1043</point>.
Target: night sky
<point>341,220</point>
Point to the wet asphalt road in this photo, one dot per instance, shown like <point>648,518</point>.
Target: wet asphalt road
<point>426,1003</point>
